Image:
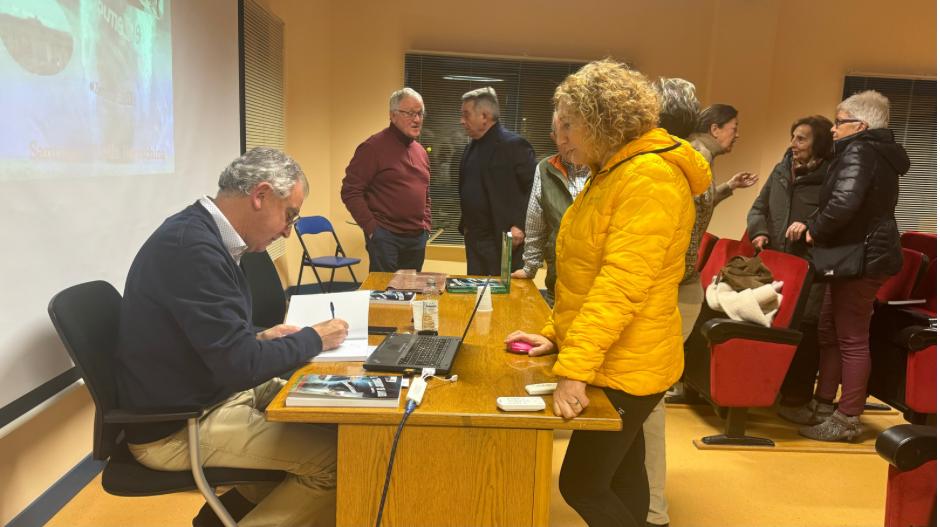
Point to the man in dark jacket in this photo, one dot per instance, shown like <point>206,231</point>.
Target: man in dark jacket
<point>496,173</point>
<point>186,339</point>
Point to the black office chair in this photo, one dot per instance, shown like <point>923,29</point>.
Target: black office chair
<point>317,225</point>
<point>268,302</point>
<point>86,316</point>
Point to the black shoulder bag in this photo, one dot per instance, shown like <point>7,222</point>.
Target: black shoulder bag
<point>841,261</point>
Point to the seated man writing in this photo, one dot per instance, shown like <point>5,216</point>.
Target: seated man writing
<point>186,338</point>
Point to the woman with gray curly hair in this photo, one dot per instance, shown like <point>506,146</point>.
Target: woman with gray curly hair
<point>855,220</point>
<point>620,255</point>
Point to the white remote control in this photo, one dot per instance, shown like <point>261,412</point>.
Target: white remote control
<point>542,388</point>
<point>520,404</point>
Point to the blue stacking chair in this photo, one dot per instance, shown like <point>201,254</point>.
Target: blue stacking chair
<point>317,225</point>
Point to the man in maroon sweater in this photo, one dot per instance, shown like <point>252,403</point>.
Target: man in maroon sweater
<point>386,188</point>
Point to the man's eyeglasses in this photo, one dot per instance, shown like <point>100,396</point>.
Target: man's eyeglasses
<point>840,122</point>
<point>412,115</point>
<point>293,216</point>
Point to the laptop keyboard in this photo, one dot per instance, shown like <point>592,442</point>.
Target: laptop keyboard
<point>425,351</point>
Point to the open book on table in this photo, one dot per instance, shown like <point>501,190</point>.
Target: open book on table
<point>351,306</point>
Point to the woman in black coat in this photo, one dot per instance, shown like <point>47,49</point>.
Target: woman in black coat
<point>777,221</point>
<point>856,209</point>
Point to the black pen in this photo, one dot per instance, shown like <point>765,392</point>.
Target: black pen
<point>332,310</point>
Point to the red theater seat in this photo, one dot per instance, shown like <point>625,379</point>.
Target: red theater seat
<point>705,249</point>
<point>900,286</point>
<point>737,365</point>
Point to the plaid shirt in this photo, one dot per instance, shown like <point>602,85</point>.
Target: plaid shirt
<point>536,230</point>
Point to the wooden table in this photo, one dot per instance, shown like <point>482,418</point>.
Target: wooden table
<point>460,460</point>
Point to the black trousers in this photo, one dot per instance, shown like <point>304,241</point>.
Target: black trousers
<point>389,252</point>
<point>603,476</point>
<point>800,381</point>
<point>483,253</point>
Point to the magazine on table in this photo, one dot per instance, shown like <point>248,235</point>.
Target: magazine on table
<point>470,285</point>
<point>498,284</point>
<point>391,297</point>
<point>380,391</point>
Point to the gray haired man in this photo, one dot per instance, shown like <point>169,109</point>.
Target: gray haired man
<point>186,339</point>
<point>496,173</point>
<point>386,188</point>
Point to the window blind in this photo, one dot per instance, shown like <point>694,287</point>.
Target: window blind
<point>914,122</point>
<point>263,85</point>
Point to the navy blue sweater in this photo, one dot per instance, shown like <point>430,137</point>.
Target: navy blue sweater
<point>186,335</point>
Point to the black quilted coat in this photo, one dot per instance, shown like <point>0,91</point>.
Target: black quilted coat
<point>857,199</point>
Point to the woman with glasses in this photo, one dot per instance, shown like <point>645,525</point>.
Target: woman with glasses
<point>777,221</point>
<point>620,254</point>
<point>855,217</point>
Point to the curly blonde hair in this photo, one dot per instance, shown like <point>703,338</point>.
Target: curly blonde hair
<point>613,103</point>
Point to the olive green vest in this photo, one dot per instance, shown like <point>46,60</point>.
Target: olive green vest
<point>555,201</point>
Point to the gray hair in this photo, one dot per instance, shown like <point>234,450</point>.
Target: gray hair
<point>398,95</point>
<point>259,165</point>
<point>679,109</point>
<point>485,96</point>
<point>869,106</point>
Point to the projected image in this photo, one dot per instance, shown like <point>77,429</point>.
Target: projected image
<point>87,88</point>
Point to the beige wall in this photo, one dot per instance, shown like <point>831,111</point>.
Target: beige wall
<point>775,60</point>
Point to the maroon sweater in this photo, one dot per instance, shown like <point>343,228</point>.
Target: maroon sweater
<point>386,184</point>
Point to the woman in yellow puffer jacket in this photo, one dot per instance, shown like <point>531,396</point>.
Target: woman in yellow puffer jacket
<point>620,255</point>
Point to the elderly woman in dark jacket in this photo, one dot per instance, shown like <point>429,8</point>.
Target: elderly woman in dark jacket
<point>856,206</point>
<point>777,221</point>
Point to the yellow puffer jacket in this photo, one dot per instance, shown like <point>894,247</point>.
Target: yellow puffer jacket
<point>620,255</point>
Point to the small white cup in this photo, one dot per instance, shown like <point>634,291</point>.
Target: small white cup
<point>487,303</point>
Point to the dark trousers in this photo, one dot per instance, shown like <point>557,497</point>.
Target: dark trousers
<point>800,381</point>
<point>844,353</point>
<point>389,252</point>
<point>483,253</point>
<point>603,476</point>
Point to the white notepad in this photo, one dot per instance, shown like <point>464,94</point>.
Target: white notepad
<point>351,306</point>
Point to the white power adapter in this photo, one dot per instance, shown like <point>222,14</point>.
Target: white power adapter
<point>416,390</point>
<point>418,386</point>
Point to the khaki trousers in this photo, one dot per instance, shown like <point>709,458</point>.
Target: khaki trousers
<point>236,434</point>
<point>691,296</point>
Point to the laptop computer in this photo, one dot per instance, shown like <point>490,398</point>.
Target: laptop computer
<point>412,352</point>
